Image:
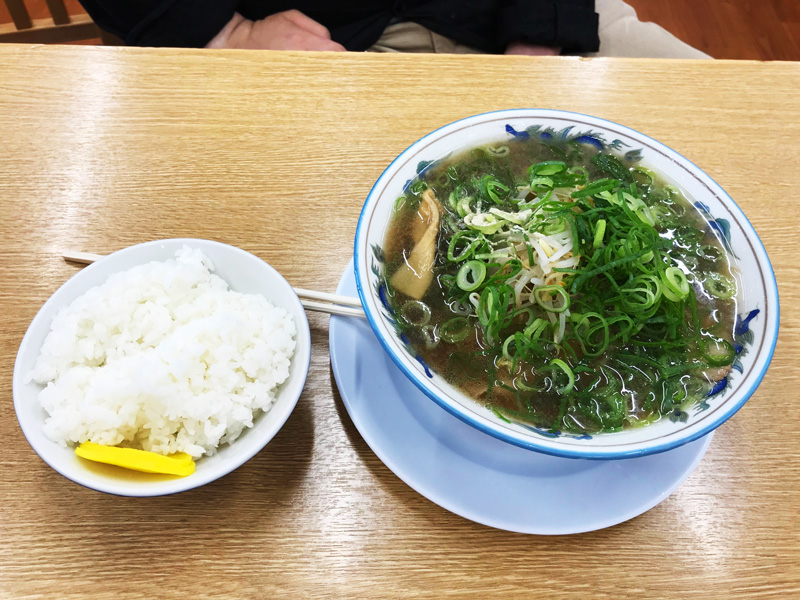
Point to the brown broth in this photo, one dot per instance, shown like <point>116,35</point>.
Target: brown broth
<point>634,381</point>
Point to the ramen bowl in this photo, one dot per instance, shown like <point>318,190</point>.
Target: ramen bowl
<point>757,308</point>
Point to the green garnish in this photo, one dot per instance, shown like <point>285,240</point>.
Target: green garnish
<point>557,362</point>
<point>455,330</point>
<point>575,283</point>
<point>719,285</point>
<point>718,352</point>
<point>416,313</point>
<point>471,275</point>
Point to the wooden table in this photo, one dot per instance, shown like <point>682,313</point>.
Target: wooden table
<point>102,148</point>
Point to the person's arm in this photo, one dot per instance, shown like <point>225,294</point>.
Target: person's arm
<point>288,30</point>
<point>206,23</point>
<point>547,26</point>
<point>525,49</point>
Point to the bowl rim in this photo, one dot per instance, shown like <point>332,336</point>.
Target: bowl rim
<point>531,443</point>
<point>175,485</point>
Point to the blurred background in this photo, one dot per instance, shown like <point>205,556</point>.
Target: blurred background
<point>734,29</point>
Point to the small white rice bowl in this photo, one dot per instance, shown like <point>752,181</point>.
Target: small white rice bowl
<point>149,348</point>
<point>163,357</point>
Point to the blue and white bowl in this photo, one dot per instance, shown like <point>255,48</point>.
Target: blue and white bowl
<point>757,324</point>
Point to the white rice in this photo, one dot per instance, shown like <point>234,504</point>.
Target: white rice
<point>163,357</point>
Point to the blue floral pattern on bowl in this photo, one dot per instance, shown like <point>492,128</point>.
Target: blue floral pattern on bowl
<point>592,138</point>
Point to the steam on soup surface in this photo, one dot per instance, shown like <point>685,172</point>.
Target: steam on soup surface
<point>560,286</point>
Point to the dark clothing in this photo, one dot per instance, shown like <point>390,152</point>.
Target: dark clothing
<point>488,25</point>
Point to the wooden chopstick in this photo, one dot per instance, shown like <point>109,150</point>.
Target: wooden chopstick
<point>333,309</point>
<point>326,297</point>
<point>333,304</point>
<point>83,258</point>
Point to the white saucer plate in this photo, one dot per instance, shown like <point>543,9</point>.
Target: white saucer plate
<point>475,475</point>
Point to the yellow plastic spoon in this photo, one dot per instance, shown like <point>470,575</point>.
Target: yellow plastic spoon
<point>180,464</point>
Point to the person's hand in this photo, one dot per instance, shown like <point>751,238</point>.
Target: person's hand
<point>531,49</point>
<point>288,30</point>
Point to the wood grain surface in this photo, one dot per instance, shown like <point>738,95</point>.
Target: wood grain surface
<point>765,30</point>
<point>101,148</point>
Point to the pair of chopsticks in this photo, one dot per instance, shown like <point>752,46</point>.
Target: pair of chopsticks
<point>333,304</point>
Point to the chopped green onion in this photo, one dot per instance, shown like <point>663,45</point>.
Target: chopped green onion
<point>718,352</point>
<point>528,310</point>
<point>463,207</point>
<point>494,306</point>
<point>416,313</point>
<point>557,362</point>
<point>587,275</point>
<point>599,233</point>
<point>534,331</point>
<point>676,286</point>
<point>497,255</point>
<point>493,189</point>
<point>613,166</point>
<point>662,214</point>
<point>642,294</point>
<point>506,344</point>
<point>601,185</point>
<point>460,307</point>
<point>713,254</point>
<point>554,226</point>
<point>550,167</point>
<point>484,222</point>
<point>471,275</point>
<point>487,309</point>
<point>509,270</point>
<point>418,187</point>
<point>468,238</point>
<point>456,195</point>
<point>541,182</point>
<point>719,285</point>
<point>519,383</point>
<point>579,175</point>
<point>587,333</point>
<point>528,248</point>
<point>517,218</point>
<point>551,290</point>
<point>642,176</point>
<point>429,336</point>
<point>455,330</point>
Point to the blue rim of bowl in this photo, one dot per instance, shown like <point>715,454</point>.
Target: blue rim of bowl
<point>532,444</point>
<point>240,461</point>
